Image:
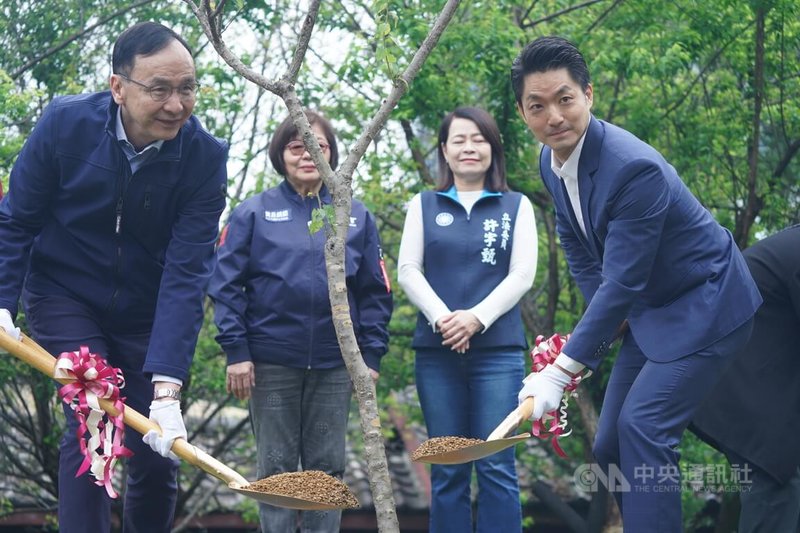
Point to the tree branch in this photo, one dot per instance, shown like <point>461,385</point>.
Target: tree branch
<point>302,44</point>
<point>401,85</point>
<point>702,72</point>
<point>416,153</point>
<point>89,29</point>
<point>602,16</point>
<point>791,151</point>
<point>557,14</point>
<point>201,12</point>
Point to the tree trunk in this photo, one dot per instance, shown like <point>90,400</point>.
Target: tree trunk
<point>754,202</point>
<point>340,186</point>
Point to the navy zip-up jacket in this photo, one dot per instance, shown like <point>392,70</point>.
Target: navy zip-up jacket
<point>270,286</point>
<point>137,249</point>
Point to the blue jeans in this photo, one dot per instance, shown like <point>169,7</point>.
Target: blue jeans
<point>468,396</point>
<point>61,324</point>
<point>300,417</point>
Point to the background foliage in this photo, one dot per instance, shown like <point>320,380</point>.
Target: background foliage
<point>711,84</point>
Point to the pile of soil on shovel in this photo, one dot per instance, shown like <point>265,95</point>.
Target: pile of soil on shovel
<point>438,445</point>
<point>309,485</point>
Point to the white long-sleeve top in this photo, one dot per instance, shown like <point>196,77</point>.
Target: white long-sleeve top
<point>521,271</point>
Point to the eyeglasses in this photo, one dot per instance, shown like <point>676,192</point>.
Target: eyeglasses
<point>298,148</point>
<point>162,93</point>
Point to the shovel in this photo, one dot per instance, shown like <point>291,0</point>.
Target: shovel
<point>497,441</point>
<point>31,353</point>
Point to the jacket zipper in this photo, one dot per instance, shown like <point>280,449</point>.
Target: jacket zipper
<point>123,185</point>
<point>312,264</point>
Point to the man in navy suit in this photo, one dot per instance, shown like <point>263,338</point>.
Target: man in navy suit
<point>647,256</point>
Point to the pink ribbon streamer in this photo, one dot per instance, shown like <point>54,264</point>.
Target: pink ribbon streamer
<point>94,379</point>
<point>544,353</point>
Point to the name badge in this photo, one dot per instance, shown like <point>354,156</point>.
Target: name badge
<point>284,215</point>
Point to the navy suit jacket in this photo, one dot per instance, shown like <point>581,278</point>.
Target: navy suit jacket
<point>766,431</point>
<point>652,254</point>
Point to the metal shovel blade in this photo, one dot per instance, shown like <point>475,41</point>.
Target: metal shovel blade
<point>472,452</point>
<point>497,441</point>
<point>279,500</point>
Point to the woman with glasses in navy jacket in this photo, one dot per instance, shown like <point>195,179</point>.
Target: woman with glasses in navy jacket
<point>270,290</point>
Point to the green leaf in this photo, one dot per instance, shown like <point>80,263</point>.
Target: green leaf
<point>321,217</point>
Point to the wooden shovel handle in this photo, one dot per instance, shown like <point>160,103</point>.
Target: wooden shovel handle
<point>513,420</point>
<point>28,351</point>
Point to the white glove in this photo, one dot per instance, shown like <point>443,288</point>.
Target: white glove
<point>547,388</point>
<point>7,324</point>
<point>167,414</point>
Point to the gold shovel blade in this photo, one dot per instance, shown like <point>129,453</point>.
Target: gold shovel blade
<point>472,452</point>
<point>279,500</point>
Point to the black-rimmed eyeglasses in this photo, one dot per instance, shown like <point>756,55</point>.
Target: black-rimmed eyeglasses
<point>161,92</point>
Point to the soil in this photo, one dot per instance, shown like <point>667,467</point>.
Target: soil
<point>309,485</point>
<point>439,445</point>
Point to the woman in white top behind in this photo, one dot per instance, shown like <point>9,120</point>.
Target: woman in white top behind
<point>467,255</point>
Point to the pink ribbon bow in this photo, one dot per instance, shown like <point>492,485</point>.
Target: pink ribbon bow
<point>544,353</point>
<point>94,379</point>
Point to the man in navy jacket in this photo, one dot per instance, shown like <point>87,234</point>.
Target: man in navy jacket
<point>645,253</point>
<point>107,233</point>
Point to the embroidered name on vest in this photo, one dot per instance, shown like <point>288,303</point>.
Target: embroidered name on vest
<point>490,227</point>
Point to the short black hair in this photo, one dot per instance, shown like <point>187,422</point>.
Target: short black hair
<point>286,133</point>
<point>548,53</point>
<point>142,39</point>
<point>496,174</point>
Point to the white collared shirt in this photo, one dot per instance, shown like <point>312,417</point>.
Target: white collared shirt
<point>568,172</point>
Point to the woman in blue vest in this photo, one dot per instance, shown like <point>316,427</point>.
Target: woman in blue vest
<point>270,291</point>
<point>467,255</point>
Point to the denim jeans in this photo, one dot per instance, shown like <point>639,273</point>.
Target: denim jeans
<point>300,417</point>
<point>468,396</point>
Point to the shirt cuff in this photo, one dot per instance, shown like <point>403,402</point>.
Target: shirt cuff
<point>168,379</point>
<point>482,319</point>
<point>569,364</point>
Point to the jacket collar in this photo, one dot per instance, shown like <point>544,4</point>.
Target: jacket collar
<point>590,156</point>
<point>452,193</point>
<point>587,167</point>
<point>288,191</point>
